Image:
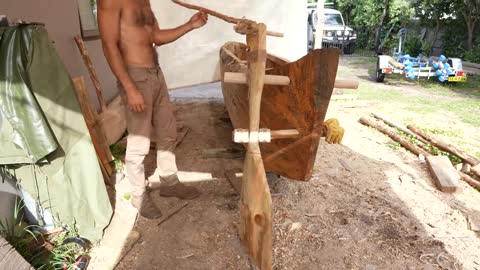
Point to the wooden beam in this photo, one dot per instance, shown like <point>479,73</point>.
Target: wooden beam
<point>445,175</point>
<point>241,78</point>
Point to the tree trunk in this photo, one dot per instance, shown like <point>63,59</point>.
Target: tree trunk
<point>435,34</point>
<point>386,10</point>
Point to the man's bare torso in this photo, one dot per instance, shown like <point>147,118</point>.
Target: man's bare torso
<point>137,24</point>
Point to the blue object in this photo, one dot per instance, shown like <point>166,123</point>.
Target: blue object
<point>408,64</point>
<point>420,55</point>
<point>442,58</point>
<point>430,60</point>
<point>446,65</point>
<point>441,79</point>
<point>438,72</point>
<point>449,71</point>
<point>435,65</point>
<point>423,64</point>
<point>411,75</point>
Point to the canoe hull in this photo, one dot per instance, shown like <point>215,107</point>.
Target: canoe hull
<point>302,105</point>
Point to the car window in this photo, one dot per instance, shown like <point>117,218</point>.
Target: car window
<point>333,19</point>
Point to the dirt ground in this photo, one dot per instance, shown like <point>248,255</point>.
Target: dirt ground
<point>379,210</point>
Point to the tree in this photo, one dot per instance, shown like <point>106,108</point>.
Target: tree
<point>470,10</point>
<point>434,11</point>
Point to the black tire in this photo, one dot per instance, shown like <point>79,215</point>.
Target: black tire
<point>379,76</point>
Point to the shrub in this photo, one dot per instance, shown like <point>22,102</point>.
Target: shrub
<point>473,55</point>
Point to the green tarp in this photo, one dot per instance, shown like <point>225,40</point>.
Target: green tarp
<point>42,122</point>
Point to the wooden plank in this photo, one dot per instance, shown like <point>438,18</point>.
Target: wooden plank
<point>94,128</point>
<point>234,177</point>
<point>445,176</point>
<point>10,259</point>
<point>346,83</point>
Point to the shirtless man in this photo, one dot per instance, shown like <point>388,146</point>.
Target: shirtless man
<point>129,33</point>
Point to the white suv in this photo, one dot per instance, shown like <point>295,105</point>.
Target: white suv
<point>335,33</point>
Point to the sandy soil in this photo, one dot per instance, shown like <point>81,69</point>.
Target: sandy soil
<point>380,210</point>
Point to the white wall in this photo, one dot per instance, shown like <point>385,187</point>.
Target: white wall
<point>194,58</point>
<point>191,60</point>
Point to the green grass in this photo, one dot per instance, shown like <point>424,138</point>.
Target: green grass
<point>467,109</point>
<point>29,243</point>
<point>363,60</point>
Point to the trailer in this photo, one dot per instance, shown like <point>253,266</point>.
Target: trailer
<point>443,68</point>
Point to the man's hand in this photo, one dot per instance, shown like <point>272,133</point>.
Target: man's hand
<point>135,101</point>
<point>198,20</point>
<point>332,131</point>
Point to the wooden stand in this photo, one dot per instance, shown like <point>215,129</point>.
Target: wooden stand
<point>256,200</point>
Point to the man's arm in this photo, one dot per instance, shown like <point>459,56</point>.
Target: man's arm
<point>109,25</point>
<point>166,36</point>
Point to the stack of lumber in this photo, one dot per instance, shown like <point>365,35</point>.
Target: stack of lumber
<point>445,175</point>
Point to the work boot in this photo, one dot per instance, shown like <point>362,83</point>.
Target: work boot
<point>145,206</point>
<point>172,187</point>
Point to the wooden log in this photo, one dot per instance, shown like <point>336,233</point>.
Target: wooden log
<point>346,83</point>
<point>445,176</point>
<point>398,126</point>
<point>91,72</point>
<point>95,129</point>
<point>445,147</point>
<point>256,200</point>
<point>469,180</point>
<point>476,170</point>
<point>239,78</point>
<point>406,144</point>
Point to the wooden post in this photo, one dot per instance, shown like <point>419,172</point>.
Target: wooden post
<point>256,200</point>
<point>320,24</point>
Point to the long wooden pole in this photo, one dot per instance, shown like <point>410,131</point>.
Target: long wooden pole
<point>256,200</point>
<point>226,18</point>
<point>445,146</point>
<point>91,72</point>
<point>408,145</point>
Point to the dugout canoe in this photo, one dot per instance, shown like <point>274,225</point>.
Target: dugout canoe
<point>302,105</point>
